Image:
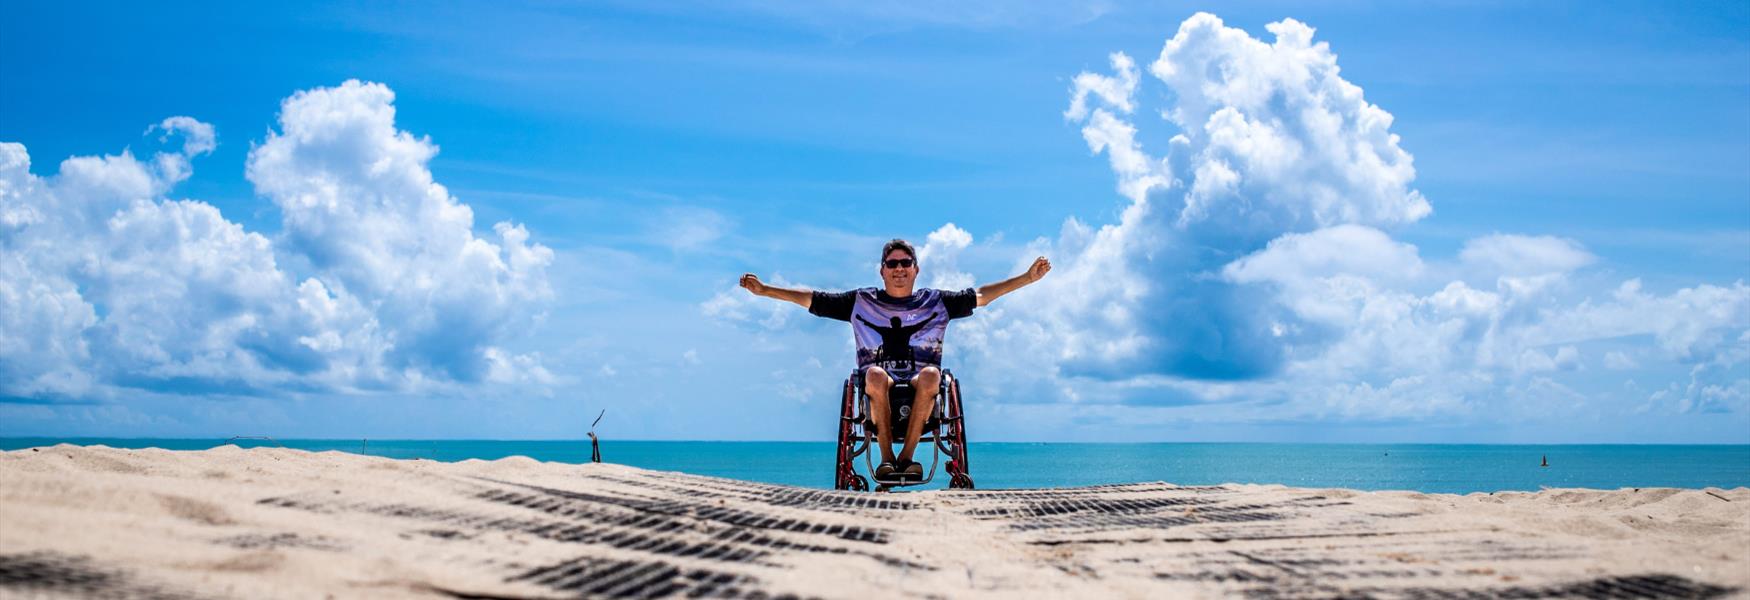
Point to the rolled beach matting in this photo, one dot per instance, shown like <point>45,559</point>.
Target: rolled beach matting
<point>233,523</point>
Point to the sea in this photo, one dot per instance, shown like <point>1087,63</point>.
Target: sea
<point>1431,468</point>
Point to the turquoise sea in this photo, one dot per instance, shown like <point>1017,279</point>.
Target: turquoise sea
<point>1445,468</point>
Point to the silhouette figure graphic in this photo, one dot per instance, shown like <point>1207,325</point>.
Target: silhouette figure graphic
<point>896,340</point>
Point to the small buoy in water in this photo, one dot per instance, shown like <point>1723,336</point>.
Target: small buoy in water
<point>1545,461</point>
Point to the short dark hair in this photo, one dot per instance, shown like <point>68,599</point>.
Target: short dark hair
<point>898,244</point>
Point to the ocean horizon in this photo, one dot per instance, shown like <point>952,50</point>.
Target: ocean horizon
<point>1429,468</point>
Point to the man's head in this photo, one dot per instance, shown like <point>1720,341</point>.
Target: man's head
<point>899,267</point>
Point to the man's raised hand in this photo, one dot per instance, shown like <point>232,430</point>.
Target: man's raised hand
<point>752,283</point>
<point>990,292</point>
<point>1040,267</point>
<point>803,297</point>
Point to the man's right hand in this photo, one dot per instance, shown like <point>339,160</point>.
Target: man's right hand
<point>802,297</point>
<point>752,283</point>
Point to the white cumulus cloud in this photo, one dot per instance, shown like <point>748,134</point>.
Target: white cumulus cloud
<point>1274,139</point>
<point>1116,90</point>
<point>1267,140</point>
<point>1524,255</point>
<point>941,251</point>
<point>1254,262</point>
<point>376,280</point>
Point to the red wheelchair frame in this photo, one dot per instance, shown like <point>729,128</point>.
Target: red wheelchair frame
<point>945,432</point>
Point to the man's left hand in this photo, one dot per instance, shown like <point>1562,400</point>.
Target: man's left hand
<point>1040,267</point>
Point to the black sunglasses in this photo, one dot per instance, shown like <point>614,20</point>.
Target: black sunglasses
<point>898,263</point>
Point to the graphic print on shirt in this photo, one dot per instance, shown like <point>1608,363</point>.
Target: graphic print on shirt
<point>896,340</point>
<point>899,336</point>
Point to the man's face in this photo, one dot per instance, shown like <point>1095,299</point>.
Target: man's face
<point>900,277</point>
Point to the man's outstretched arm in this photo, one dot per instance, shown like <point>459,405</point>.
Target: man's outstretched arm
<point>752,283</point>
<point>990,292</point>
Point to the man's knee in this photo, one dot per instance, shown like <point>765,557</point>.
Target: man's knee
<point>876,381</point>
<point>928,376</point>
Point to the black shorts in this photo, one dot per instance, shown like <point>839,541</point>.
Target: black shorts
<point>901,372</point>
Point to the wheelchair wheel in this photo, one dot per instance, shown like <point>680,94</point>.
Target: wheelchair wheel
<point>959,465</point>
<point>845,475</point>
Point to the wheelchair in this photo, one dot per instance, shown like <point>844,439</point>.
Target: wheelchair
<point>945,433</point>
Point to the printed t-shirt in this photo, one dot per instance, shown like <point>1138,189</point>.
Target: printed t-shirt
<point>897,334</point>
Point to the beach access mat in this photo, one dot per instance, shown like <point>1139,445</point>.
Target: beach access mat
<point>100,522</point>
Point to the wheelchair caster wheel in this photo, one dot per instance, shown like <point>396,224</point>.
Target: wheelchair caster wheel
<point>960,481</point>
<point>859,484</point>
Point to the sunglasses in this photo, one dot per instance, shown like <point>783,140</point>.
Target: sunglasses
<point>898,263</point>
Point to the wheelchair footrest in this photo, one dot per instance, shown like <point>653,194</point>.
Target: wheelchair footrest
<point>899,477</point>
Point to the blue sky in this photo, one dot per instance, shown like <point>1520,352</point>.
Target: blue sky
<point>1553,249</point>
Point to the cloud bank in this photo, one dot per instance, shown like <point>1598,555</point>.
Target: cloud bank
<point>376,280</point>
<point>1254,263</point>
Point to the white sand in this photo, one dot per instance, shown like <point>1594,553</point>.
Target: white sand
<point>95,521</point>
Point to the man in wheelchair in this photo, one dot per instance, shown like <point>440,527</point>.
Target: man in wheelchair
<point>899,332</point>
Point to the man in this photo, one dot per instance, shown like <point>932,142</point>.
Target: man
<point>899,334</point>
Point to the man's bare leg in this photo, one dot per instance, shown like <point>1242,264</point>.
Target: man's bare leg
<point>876,383</point>
<point>927,383</point>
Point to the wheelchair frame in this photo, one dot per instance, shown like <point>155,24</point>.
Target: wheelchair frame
<point>945,432</point>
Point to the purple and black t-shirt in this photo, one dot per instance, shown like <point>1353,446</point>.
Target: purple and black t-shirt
<point>901,335</point>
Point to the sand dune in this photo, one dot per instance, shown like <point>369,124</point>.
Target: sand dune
<point>101,522</point>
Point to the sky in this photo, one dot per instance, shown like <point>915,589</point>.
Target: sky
<point>1356,222</point>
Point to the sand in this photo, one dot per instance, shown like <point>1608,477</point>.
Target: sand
<point>233,523</point>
